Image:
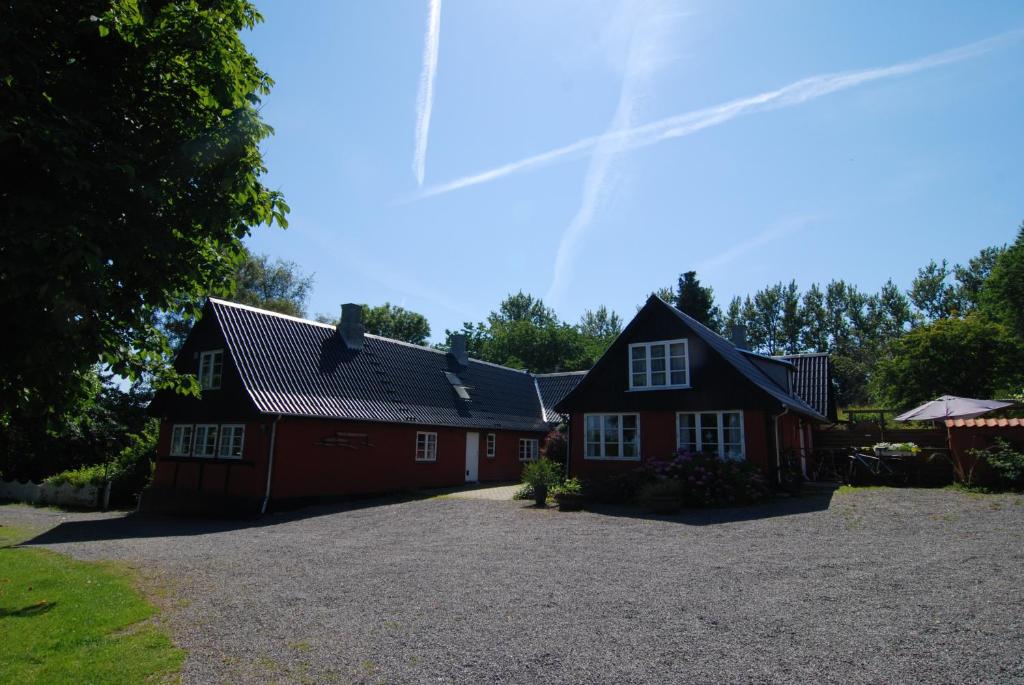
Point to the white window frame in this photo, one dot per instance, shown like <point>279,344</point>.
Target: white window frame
<point>224,431</point>
<point>721,431</point>
<point>205,428</point>
<point>492,445</point>
<point>429,449</point>
<point>601,456</point>
<point>531,451</point>
<point>181,428</point>
<point>666,345</point>
<point>207,375</point>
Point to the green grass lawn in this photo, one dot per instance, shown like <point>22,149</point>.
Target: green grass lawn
<point>63,620</point>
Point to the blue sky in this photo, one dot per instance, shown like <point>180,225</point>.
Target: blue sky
<point>588,152</point>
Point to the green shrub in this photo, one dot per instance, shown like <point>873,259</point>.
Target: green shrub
<point>708,481</point>
<point>525,492</point>
<point>129,472</point>
<point>1006,462</point>
<point>542,472</point>
<point>570,486</point>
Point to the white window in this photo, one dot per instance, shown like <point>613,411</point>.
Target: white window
<point>232,438</point>
<point>181,440</point>
<point>656,365</point>
<point>206,440</point>
<point>211,366</point>
<point>492,445</point>
<point>528,449</point>
<point>711,432</point>
<point>426,446</point>
<point>612,436</point>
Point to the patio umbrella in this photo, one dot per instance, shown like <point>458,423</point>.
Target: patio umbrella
<point>951,407</point>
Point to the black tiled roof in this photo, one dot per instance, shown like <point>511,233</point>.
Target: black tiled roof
<point>813,382</point>
<point>742,363</point>
<point>296,367</point>
<point>553,387</point>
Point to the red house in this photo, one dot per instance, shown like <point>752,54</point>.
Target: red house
<point>294,409</point>
<point>669,382</point>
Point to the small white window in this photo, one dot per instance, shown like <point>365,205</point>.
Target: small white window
<point>492,445</point>
<point>211,367</point>
<point>712,432</point>
<point>232,439</point>
<point>528,449</point>
<point>206,440</point>
<point>656,365</point>
<point>612,436</point>
<point>426,446</point>
<point>181,440</point>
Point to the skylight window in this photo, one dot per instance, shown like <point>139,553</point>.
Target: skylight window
<point>461,389</point>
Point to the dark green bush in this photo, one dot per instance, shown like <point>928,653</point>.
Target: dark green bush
<point>542,472</point>
<point>1006,463</point>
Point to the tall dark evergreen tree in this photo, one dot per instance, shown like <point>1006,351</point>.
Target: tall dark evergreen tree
<point>698,301</point>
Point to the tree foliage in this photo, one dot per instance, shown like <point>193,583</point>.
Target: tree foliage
<point>392,321</point>
<point>698,301</point>
<point>279,286</point>
<point>1002,295</point>
<point>969,357</point>
<point>129,144</point>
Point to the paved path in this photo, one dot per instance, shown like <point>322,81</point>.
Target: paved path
<point>502,493</point>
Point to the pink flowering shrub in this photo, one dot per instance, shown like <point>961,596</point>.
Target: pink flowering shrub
<point>709,481</point>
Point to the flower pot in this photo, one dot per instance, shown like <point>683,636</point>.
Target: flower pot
<point>569,501</point>
<point>540,495</point>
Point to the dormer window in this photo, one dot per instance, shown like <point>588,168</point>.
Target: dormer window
<point>211,366</point>
<point>658,365</point>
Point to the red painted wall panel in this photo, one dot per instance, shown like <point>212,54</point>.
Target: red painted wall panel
<point>658,441</point>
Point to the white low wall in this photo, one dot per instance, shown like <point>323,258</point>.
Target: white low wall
<point>90,497</point>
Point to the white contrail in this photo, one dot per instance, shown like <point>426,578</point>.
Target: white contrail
<point>425,96</point>
<point>646,42</point>
<point>691,122</point>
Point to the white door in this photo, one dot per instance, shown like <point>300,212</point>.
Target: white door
<point>472,457</point>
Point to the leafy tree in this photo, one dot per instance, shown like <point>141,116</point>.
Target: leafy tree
<point>930,292</point>
<point>392,321</point>
<point>523,307</point>
<point>129,144</point>
<point>733,316</point>
<point>1002,295</point>
<point>971,278</point>
<point>814,334</point>
<point>764,324</point>
<point>599,328</point>
<point>698,301</point>
<point>792,319</point>
<point>969,356</point>
<point>667,294</point>
<point>279,286</point>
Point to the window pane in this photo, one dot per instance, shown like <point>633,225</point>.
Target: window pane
<point>639,353</point>
<point>629,436</point>
<point>640,380</point>
<point>678,378</point>
<point>629,421</point>
<point>657,352</point>
<point>677,350</point>
<point>657,365</point>
<point>709,433</point>
<point>687,432</point>
<point>658,378</point>
<point>594,429</point>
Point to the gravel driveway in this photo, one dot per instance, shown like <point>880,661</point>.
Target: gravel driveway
<point>873,586</point>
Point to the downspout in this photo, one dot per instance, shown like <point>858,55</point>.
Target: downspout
<point>270,464</point>
<point>778,452</point>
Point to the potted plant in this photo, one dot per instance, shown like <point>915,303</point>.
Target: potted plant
<point>895,449</point>
<point>569,495</point>
<point>540,475</point>
<point>663,496</point>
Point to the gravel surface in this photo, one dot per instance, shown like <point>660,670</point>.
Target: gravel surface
<point>873,586</point>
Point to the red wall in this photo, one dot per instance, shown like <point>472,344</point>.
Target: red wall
<point>373,458</point>
<point>658,441</point>
<point>965,438</point>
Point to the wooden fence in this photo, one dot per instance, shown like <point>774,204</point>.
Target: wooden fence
<point>867,434</point>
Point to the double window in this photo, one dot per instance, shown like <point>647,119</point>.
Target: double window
<point>711,432</point>
<point>208,440</point>
<point>211,368</point>
<point>612,436</point>
<point>426,446</point>
<point>528,449</point>
<point>492,445</point>
<point>656,365</point>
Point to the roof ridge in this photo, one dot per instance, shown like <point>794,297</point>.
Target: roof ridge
<point>559,373</point>
<point>297,319</point>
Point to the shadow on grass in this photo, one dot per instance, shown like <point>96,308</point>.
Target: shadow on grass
<point>805,503</point>
<point>31,610</point>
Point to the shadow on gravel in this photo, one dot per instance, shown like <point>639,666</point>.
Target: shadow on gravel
<point>137,525</point>
<point>791,506</point>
